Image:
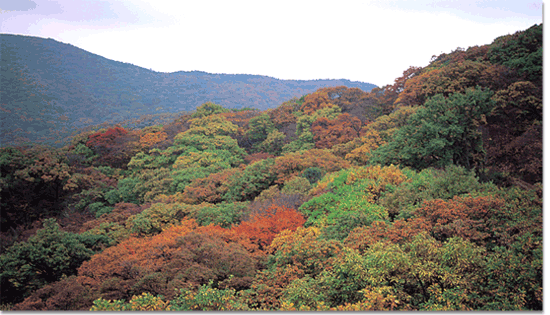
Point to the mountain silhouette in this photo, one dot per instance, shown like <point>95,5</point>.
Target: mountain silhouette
<point>50,89</point>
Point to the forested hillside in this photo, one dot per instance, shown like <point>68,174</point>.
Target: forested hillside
<point>421,195</point>
<point>48,90</point>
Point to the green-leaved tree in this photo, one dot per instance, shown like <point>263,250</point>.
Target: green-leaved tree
<point>444,131</point>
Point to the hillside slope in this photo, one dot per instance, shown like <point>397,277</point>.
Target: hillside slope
<point>423,195</point>
<point>49,88</point>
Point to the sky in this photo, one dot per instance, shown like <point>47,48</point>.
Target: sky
<point>371,41</point>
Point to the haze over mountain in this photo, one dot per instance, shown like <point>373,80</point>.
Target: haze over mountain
<point>49,89</point>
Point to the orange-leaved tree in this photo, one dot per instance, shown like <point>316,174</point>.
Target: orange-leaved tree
<point>315,101</point>
<point>328,133</point>
<point>115,146</point>
<point>262,228</point>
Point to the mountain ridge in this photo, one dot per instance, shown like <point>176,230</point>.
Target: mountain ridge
<point>50,88</point>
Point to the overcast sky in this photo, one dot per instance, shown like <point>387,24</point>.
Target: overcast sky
<point>371,41</point>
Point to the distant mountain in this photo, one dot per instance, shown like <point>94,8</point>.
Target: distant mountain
<point>49,89</point>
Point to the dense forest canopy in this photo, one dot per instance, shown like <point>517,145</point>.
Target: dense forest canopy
<point>421,195</point>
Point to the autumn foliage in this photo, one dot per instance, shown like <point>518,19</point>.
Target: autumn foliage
<point>315,101</point>
<point>328,133</point>
<point>262,229</point>
<point>115,146</point>
<point>292,164</point>
<point>106,138</point>
<point>422,195</point>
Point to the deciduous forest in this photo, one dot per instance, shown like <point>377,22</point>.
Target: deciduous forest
<point>421,195</point>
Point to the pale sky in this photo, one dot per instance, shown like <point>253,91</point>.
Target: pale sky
<point>372,41</point>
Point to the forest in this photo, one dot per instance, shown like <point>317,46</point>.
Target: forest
<point>421,195</point>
